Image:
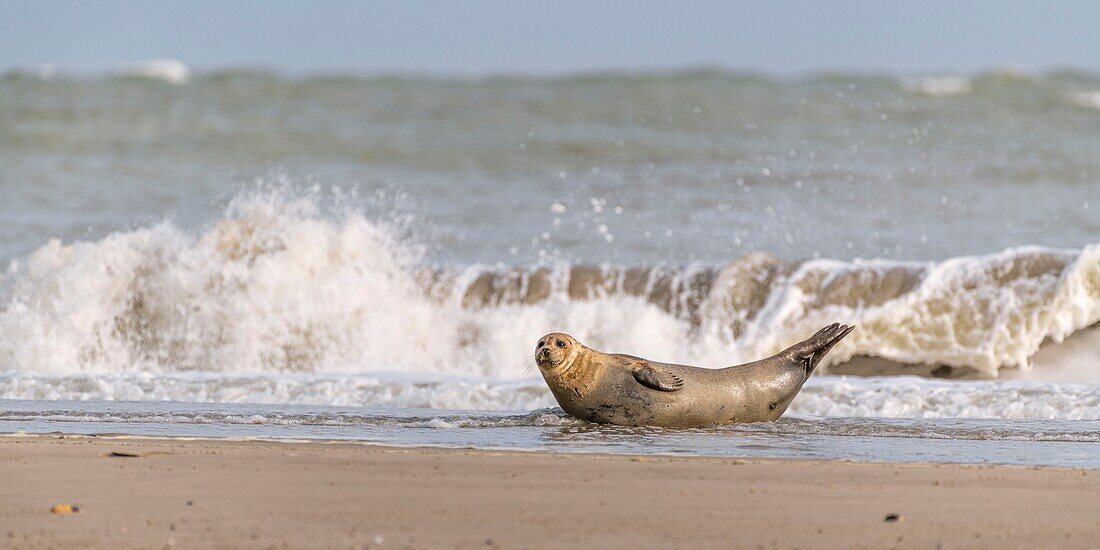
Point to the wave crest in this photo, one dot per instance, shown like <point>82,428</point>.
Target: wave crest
<point>171,71</point>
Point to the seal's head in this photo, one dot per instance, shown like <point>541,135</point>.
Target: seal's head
<point>556,350</point>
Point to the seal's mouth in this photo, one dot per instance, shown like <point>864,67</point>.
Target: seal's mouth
<point>548,359</point>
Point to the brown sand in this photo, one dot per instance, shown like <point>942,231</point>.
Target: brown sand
<point>262,495</point>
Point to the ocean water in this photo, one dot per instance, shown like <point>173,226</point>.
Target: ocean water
<point>241,253</point>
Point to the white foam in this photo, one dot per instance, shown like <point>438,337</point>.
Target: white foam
<point>938,85</point>
<point>1089,100</point>
<point>366,390</point>
<point>823,396</point>
<point>169,70</point>
<point>912,397</point>
<point>45,72</point>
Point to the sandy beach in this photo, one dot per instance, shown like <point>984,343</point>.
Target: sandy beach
<point>214,493</point>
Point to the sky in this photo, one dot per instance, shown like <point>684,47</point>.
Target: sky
<point>484,37</point>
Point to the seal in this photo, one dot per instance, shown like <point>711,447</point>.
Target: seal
<point>631,391</point>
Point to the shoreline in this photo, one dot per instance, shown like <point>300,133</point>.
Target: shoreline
<point>493,451</point>
<point>231,493</point>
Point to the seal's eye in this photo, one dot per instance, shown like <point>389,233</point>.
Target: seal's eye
<point>560,344</point>
<point>540,345</point>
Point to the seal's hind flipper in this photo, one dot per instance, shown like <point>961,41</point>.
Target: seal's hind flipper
<point>656,379</point>
<point>833,338</point>
<point>812,350</point>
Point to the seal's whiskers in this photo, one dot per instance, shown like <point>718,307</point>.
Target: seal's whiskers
<point>528,362</point>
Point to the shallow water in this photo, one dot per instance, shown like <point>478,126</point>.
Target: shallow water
<point>888,419</point>
<point>1063,443</point>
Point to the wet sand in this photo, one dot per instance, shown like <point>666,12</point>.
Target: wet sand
<point>226,494</point>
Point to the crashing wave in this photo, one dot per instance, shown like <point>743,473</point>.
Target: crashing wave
<point>276,287</point>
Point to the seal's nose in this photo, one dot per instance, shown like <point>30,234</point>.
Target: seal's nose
<point>545,352</point>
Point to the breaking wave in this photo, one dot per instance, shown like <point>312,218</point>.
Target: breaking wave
<point>279,287</point>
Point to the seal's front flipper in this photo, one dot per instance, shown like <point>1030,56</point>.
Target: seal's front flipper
<point>653,378</point>
<point>812,350</point>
